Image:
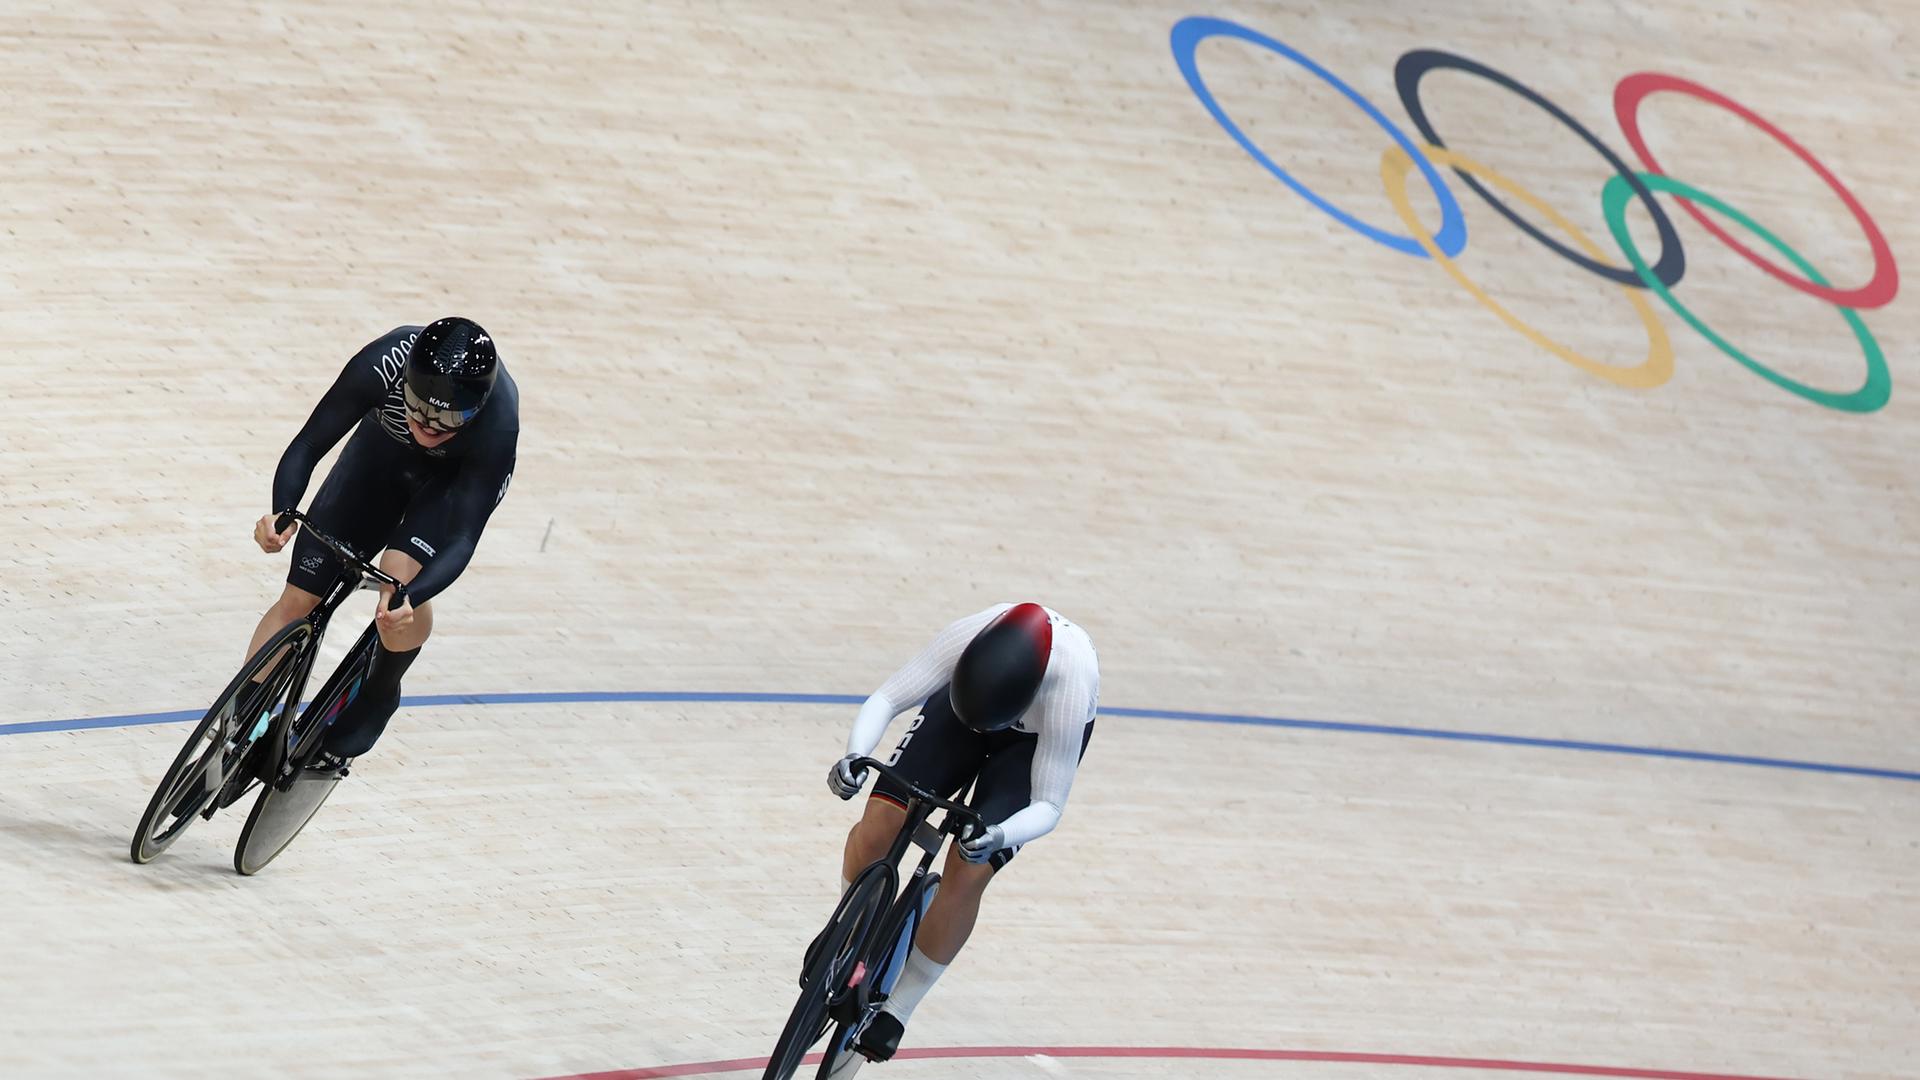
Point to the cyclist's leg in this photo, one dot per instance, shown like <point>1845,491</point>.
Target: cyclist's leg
<point>868,839</point>
<point>426,528</point>
<point>294,603</point>
<point>950,919</point>
<point>937,753</point>
<point>365,718</point>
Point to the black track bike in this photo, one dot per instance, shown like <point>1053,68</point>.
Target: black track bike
<point>257,735</point>
<point>854,961</point>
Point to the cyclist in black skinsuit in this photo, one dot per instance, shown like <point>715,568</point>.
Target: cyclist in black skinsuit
<point>438,421</point>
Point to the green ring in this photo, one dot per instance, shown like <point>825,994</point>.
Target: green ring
<point>1871,395</point>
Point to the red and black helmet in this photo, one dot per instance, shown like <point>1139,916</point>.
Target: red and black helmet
<point>1000,670</point>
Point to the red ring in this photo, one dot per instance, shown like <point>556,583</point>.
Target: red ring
<point>1886,276</point>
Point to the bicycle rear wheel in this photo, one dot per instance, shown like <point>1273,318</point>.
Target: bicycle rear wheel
<point>292,794</point>
<point>219,746</point>
<point>832,962</point>
<point>278,816</point>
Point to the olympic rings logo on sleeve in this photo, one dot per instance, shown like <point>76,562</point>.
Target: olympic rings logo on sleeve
<point>1635,279</point>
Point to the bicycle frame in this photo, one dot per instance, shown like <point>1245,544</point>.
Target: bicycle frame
<point>862,994</point>
<point>843,968</point>
<point>285,761</point>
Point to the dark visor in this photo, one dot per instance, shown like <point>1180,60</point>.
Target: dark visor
<point>433,417</point>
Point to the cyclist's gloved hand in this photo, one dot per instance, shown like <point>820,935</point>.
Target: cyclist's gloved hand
<point>842,780</point>
<point>983,844</point>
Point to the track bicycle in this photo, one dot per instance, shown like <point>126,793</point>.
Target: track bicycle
<point>854,961</point>
<point>256,734</point>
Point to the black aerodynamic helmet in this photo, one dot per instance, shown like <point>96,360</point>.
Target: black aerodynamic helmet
<point>1000,670</point>
<point>450,373</point>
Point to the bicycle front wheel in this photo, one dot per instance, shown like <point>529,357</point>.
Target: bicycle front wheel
<point>832,962</point>
<point>217,748</point>
<point>885,957</point>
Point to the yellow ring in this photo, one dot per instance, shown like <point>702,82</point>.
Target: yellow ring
<point>1395,164</point>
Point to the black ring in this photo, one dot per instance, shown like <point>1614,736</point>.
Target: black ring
<point>1407,73</point>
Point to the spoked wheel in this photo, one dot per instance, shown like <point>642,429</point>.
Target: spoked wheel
<point>219,749</point>
<point>834,961</point>
<point>885,959</point>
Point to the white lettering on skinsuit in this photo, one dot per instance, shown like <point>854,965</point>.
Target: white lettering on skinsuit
<point>394,361</point>
<point>907,738</point>
<point>422,545</point>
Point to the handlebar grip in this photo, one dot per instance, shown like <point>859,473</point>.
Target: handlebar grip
<point>399,597</point>
<point>285,519</point>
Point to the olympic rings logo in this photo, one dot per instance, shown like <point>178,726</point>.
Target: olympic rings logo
<point>1635,279</point>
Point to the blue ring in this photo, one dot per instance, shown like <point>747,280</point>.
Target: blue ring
<point>1187,35</point>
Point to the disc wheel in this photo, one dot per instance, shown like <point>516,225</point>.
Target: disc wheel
<point>291,794</point>
<point>278,816</point>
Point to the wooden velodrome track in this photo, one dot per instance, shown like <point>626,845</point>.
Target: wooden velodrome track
<point>835,321</point>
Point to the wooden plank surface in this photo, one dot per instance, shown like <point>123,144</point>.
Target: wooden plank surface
<point>836,321</point>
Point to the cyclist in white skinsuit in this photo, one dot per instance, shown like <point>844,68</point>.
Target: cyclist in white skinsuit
<point>1007,700</point>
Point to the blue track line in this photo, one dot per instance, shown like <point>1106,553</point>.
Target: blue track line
<point>690,696</point>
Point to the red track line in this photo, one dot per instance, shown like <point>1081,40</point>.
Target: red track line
<point>711,1068</point>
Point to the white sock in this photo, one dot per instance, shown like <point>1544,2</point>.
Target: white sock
<point>916,979</point>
